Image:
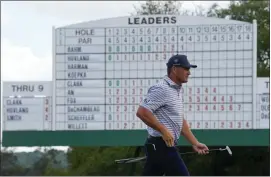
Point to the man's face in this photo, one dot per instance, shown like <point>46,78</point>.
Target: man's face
<point>182,74</point>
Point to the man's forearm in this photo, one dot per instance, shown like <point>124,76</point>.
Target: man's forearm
<point>186,132</point>
<point>148,118</point>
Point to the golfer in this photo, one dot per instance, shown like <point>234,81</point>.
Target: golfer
<point>162,110</point>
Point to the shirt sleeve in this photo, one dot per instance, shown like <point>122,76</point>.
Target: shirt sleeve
<point>155,98</point>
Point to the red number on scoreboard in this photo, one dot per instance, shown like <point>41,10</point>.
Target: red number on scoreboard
<point>206,124</point>
<point>198,124</point>
<point>190,107</point>
<point>164,56</point>
<point>214,90</point>
<point>198,99</point>
<point>247,124</point>
<point>141,57</point>
<point>172,47</point>
<point>125,100</point>
<point>222,98</point>
<point>125,125</point>
<point>141,82</point>
<point>206,90</point>
<point>222,124</point>
<point>149,57</point>
<point>165,48</point>
<point>206,98</point>
<point>198,107</point>
<point>190,99</point>
<point>222,107</point>
<point>231,99</point>
<point>231,125</point>
<point>190,90</point>
<point>125,108</point>
<point>230,108</point>
<point>214,107</point>
<point>214,98</point>
<point>198,90</point>
<point>206,107</point>
<point>141,91</point>
<point>239,124</point>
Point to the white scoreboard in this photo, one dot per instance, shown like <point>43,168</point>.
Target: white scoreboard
<point>102,70</point>
<point>27,106</point>
<point>263,105</point>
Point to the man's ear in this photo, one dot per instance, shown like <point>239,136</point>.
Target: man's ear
<point>175,70</point>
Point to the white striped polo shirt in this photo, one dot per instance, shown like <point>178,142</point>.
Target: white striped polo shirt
<point>165,101</point>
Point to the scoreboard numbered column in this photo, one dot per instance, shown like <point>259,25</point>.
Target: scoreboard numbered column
<point>47,112</point>
<point>218,94</point>
<point>135,59</point>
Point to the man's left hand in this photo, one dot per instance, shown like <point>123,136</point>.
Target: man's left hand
<point>201,148</point>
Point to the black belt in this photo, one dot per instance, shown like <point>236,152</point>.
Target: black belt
<point>154,137</point>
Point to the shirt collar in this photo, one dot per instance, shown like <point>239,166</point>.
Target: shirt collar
<point>171,83</point>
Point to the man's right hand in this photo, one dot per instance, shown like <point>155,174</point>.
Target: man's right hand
<point>168,138</point>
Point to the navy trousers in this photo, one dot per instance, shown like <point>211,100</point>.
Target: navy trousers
<point>162,160</point>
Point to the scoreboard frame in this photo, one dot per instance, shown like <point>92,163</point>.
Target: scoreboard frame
<point>212,137</point>
<point>251,137</point>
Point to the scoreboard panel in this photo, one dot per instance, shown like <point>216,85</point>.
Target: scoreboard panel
<point>263,103</point>
<point>27,106</point>
<point>111,67</point>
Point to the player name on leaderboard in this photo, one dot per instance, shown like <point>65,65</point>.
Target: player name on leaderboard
<point>104,69</point>
<point>35,112</point>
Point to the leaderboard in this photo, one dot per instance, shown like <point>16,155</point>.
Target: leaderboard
<point>27,106</point>
<point>103,70</point>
